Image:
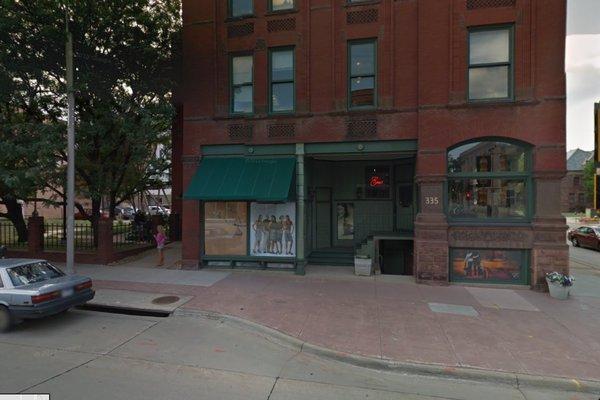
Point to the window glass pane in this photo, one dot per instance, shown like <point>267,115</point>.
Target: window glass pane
<point>282,4</point>
<point>377,183</point>
<point>491,46</point>
<point>242,99</point>
<point>362,59</point>
<point>491,265</point>
<point>487,157</point>
<point>282,65</point>
<point>33,273</point>
<point>487,198</point>
<point>362,92</point>
<point>273,229</point>
<point>241,7</point>
<point>488,83</point>
<point>282,97</point>
<point>225,228</point>
<point>242,70</point>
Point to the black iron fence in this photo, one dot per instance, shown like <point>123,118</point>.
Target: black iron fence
<point>55,236</point>
<point>131,234</point>
<point>9,236</point>
<point>125,234</point>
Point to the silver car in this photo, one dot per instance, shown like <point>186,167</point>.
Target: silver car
<point>35,288</point>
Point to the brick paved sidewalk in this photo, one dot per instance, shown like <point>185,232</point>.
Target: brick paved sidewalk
<point>393,318</point>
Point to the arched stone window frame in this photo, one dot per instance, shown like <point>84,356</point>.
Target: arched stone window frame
<point>524,175</point>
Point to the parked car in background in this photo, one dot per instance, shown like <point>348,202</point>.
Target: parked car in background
<point>125,212</point>
<point>585,236</point>
<point>159,210</point>
<point>35,288</point>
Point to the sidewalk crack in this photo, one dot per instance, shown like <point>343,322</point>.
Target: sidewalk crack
<point>273,388</point>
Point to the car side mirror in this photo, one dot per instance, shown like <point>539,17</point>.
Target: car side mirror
<point>2,251</point>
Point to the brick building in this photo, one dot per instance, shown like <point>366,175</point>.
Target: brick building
<point>573,193</point>
<point>428,135</point>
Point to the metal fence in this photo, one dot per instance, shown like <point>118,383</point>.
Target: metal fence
<point>9,236</point>
<point>55,236</point>
<point>131,234</point>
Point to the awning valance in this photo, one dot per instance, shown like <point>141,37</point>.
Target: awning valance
<point>243,178</point>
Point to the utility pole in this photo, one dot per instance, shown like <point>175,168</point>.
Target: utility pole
<point>70,153</point>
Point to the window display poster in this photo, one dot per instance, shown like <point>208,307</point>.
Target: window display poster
<point>487,265</point>
<point>273,229</point>
<point>225,228</point>
<point>345,221</point>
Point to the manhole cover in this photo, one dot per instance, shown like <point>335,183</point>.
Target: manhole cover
<point>165,300</point>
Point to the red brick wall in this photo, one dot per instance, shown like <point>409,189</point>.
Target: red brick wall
<point>422,57</point>
<point>422,85</point>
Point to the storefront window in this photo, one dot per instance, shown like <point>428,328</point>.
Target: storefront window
<point>487,198</point>
<point>488,180</point>
<point>487,157</point>
<point>273,229</point>
<point>489,265</point>
<point>225,228</point>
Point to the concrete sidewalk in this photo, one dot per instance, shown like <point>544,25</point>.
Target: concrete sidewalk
<point>392,318</point>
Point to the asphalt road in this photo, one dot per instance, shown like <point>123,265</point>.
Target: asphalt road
<point>585,268</point>
<point>91,355</point>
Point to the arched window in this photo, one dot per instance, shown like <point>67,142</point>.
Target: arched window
<point>489,180</point>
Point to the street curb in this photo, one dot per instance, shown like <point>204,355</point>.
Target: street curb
<point>464,373</point>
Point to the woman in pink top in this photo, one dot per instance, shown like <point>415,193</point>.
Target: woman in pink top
<point>160,244</point>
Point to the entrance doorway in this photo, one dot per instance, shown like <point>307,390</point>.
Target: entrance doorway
<point>396,257</point>
<point>322,218</point>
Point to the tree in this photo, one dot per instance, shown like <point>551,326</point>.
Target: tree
<point>30,127</point>
<point>589,176</point>
<point>124,52</point>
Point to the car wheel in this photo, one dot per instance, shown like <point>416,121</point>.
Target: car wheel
<point>575,242</point>
<point>5,319</point>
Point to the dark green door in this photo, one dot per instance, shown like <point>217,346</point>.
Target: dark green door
<point>404,207</point>
<point>323,218</point>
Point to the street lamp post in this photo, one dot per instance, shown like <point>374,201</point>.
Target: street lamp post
<point>70,153</point>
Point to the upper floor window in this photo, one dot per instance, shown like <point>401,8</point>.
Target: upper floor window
<point>280,5</point>
<point>490,63</point>
<point>242,84</point>
<point>489,180</point>
<point>362,79</point>
<point>281,80</point>
<point>240,8</point>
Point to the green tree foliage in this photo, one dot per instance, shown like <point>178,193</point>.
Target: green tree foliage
<point>30,112</point>
<point>124,53</point>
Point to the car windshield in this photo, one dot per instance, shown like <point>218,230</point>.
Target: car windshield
<point>33,273</point>
<point>597,230</point>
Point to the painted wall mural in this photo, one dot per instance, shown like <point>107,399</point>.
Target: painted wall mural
<point>488,265</point>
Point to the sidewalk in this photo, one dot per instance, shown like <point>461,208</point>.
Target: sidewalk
<point>391,317</point>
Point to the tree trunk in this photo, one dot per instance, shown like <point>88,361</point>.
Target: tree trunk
<point>14,212</point>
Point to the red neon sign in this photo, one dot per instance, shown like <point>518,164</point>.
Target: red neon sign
<point>376,181</point>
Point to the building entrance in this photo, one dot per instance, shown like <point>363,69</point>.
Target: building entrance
<point>352,202</point>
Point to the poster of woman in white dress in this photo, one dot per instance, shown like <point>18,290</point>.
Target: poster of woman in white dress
<point>273,229</point>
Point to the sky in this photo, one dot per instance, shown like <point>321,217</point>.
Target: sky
<point>583,71</point>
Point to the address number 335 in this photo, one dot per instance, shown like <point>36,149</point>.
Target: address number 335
<point>432,200</point>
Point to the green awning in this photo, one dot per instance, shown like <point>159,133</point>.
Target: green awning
<point>243,178</point>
